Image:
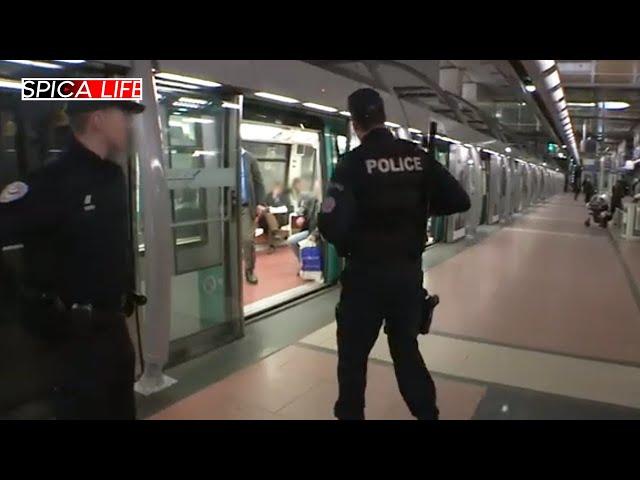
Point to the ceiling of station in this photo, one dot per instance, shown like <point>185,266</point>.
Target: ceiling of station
<point>590,83</point>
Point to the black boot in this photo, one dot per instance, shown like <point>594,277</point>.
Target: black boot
<point>250,276</point>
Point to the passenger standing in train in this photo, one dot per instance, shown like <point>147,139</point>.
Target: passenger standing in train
<point>72,218</point>
<point>375,213</point>
<point>252,202</point>
<point>277,198</point>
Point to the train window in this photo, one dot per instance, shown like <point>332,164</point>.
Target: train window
<point>8,155</point>
<point>272,144</point>
<point>272,160</point>
<point>193,128</point>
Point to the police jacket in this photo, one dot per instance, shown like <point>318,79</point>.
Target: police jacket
<point>380,197</point>
<point>71,216</point>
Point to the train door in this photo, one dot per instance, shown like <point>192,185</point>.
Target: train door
<point>503,207</point>
<point>291,150</point>
<point>188,235</point>
<point>437,226</point>
<point>494,196</point>
<point>475,189</point>
<point>516,181</point>
<point>457,223</point>
<point>485,166</point>
<point>511,188</point>
<point>526,185</point>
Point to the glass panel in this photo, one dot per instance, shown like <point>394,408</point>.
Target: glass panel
<point>196,131</point>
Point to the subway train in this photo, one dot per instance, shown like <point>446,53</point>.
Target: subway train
<point>185,215</point>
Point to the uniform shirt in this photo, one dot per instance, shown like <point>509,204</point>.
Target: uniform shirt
<point>73,223</point>
<point>391,186</point>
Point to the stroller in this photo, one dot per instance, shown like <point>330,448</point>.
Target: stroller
<point>598,208</point>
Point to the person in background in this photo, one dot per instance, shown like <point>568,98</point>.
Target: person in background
<point>295,192</point>
<point>278,200</point>
<point>252,201</point>
<point>576,188</point>
<point>309,208</point>
<point>588,189</point>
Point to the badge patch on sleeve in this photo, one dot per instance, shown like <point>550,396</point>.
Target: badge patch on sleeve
<point>328,205</point>
<point>14,191</point>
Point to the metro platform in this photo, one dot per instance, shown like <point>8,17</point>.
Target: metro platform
<point>539,319</point>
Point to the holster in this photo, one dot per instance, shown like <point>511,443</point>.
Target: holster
<point>429,304</point>
<point>132,301</point>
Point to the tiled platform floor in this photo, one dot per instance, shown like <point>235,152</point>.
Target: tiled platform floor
<point>539,320</point>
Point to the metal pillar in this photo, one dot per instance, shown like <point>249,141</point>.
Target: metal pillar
<point>157,237</point>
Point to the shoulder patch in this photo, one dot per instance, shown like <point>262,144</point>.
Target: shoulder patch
<point>328,205</point>
<point>14,191</point>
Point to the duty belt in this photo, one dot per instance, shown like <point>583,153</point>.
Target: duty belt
<point>85,315</point>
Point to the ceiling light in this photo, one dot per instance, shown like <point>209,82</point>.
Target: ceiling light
<point>581,104</point>
<point>558,94</point>
<point>345,113</point>
<point>197,101</point>
<point>414,130</point>
<point>317,106</point>
<point>197,120</point>
<point>530,88</point>
<point>186,79</point>
<point>447,139</point>
<point>546,64</point>
<point>277,98</point>
<point>177,84</point>
<point>552,80</point>
<point>188,105</point>
<point>35,63</point>
<point>508,149</point>
<point>161,88</point>
<point>614,105</point>
<point>71,61</point>
<point>392,125</point>
<point>205,153</point>
<point>7,83</point>
<point>235,106</point>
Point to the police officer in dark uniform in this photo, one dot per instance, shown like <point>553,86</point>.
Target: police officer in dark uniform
<point>375,213</point>
<point>72,218</point>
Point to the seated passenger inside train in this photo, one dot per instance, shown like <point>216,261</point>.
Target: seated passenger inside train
<point>277,214</point>
<point>295,192</point>
<point>306,218</point>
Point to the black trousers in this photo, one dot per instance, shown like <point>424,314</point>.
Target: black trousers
<point>97,373</point>
<point>370,295</point>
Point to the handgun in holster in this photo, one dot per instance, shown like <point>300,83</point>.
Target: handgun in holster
<point>429,305</point>
<point>132,301</point>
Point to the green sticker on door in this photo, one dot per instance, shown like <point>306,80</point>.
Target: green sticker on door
<point>211,295</point>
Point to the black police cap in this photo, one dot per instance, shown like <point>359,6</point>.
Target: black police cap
<point>85,106</point>
<point>364,103</point>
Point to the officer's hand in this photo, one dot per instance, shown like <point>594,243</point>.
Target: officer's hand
<point>260,209</point>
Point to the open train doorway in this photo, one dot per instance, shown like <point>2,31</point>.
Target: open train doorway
<point>287,150</point>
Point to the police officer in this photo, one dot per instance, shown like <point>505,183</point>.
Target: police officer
<point>72,218</point>
<point>375,213</point>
